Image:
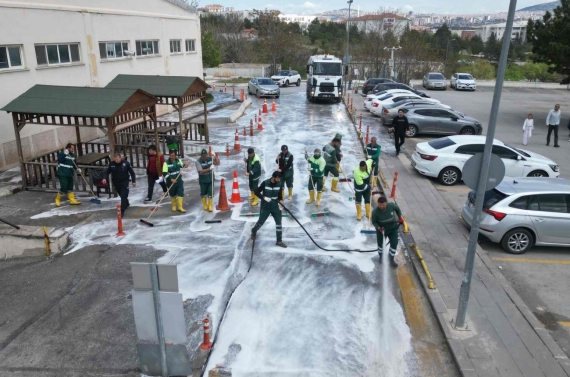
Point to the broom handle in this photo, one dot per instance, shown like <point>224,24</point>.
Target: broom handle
<point>310,175</point>
<point>344,175</point>
<point>164,196</point>
<point>84,180</point>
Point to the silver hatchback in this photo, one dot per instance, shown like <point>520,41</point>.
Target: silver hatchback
<point>523,212</point>
<point>437,120</point>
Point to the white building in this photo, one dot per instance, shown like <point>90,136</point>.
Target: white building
<point>87,43</point>
<point>304,21</point>
<point>484,31</point>
<point>381,23</point>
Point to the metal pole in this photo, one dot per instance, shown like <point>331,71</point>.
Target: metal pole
<point>158,315</point>
<point>347,42</point>
<point>483,177</point>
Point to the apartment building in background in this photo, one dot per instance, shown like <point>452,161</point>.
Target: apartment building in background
<point>87,43</point>
<point>304,21</point>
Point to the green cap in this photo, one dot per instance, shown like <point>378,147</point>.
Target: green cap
<point>204,151</point>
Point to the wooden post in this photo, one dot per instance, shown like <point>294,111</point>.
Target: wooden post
<point>78,143</point>
<point>206,129</point>
<point>111,133</point>
<point>180,107</point>
<point>153,117</point>
<point>17,130</point>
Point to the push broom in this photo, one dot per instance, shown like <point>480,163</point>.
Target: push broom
<point>147,222</point>
<point>94,199</point>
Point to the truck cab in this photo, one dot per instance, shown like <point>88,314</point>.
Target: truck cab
<point>324,78</point>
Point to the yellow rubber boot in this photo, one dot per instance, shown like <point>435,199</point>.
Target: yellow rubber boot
<point>367,210</point>
<point>290,193</point>
<point>72,201</point>
<point>251,195</point>
<point>180,201</point>
<point>173,202</point>
<point>324,183</point>
<point>255,201</point>
<point>334,184</point>
<point>205,203</point>
<point>319,196</point>
<point>358,212</point>
<point>211,205</point>
<point>58,200</point>
<point>311,197</point>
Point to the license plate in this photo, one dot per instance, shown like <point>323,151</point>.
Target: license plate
<point>413,164</point>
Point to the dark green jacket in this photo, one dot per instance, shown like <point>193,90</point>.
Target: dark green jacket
<point>317,166</point>
<point>171,169</point>
<point>254,167</point>
<point>285,163</point>
<point>66,164</point>
<point>387,219</point>
<point>201,165</point>
<point>373,151</point>
<point>331,155</point>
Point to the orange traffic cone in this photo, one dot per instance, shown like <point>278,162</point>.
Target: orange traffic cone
<point>237,146</point>
<point>207,343</point>
<point>259,125</point>
<point>236,198</point>
<point>265,106</point>
<point>273,107</point>
<point>223,201</point>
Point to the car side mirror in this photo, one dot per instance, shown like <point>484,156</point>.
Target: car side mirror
<point>519,158</point>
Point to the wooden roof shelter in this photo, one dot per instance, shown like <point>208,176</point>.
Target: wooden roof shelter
<point>169,90</point>
<point>79,107</point>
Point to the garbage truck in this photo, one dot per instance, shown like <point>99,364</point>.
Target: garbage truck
<point>324,78</point>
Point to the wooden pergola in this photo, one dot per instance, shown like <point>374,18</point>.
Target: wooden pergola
<point>176,91</point>
<point>79,107</point>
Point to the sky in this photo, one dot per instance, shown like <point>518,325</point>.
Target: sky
<point>418,6</point>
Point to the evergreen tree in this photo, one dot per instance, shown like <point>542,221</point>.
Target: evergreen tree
<point>476,45</point>
<point>211,50</point>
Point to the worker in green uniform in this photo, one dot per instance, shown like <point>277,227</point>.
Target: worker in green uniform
<point>66,167</point>
<point>253,171</point>
<point>332,158</point>
<point>173,179</point>
<point>339,153</point>
<point>387,218</point>
<point>317,167</point>
<point>271,191</point>
<point>362,187</point>
<point>284,162</point>
<point>373,150</point>
<point>205,168</point>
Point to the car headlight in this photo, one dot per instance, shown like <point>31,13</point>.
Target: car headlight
<point>554,168</point>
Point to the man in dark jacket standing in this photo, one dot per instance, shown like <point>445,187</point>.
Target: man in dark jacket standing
<point>154,171</point>
<point>121,169</point>
<point>271,191</point>
<point>401,129</point>
<point>285,162</point>
<point>387,218</point>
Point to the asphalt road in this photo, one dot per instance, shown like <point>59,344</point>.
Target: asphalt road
<point>296,311</point>
<point>540,276</point>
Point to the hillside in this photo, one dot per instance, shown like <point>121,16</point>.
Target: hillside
<point>542,7</point>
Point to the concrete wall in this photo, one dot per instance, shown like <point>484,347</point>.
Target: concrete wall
<point>237,72</point>
<point>87,22</point>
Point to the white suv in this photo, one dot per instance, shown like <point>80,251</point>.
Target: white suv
<point>444,158</point>
<point>462,81</point>
<point>286,78</point>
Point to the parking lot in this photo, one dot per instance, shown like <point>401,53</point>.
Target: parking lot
<point>541,275</point>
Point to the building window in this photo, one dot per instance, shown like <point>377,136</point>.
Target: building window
<point>113,50</point>
<point>147,48</point>
<point>190,45</point>
<point>11,57</point>
<point>175,46</point>
<point>58,54</point>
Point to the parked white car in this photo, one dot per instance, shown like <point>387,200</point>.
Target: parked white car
<point>462,81</point>
<point>444,159</point>
<point>370,97</point>
<point>286,78</point>
<point>390,98</point>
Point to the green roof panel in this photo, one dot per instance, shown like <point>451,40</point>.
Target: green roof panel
<point>70,101</point>
<point>158,86</point>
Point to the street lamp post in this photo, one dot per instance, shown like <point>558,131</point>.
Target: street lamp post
<point>347,44</point>
<point>392,49</point>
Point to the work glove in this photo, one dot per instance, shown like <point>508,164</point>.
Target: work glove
<point>159,180</point>
<point>267,199</point>
<point>379,229</point>
<point>79,171</point>
<point>66,152</point>
<point>401,220</point>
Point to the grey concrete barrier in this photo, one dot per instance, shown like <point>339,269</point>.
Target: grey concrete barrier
<point>239,112</point>
<point>28,241</point>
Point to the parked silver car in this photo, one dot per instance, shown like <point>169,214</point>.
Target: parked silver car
<point>263,87</point>
<point>432,120</point>
<point>390,111</point>
<point>523,212</point>
<point>435,80</point>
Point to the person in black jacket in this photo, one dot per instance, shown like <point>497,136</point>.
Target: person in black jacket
<point>285,163</point>
<point>401,129</point>
<point>120,170</point>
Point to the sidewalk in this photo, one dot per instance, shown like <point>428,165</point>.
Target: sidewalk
<point>504,337</point>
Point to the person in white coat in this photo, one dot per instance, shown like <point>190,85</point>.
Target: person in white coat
<point>528,126</point>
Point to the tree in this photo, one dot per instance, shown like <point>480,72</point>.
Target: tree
<point>211,50</point>
<point>476,45</point>
<point>493,48</point>
<point>549,39</point>
<point>247,23</point>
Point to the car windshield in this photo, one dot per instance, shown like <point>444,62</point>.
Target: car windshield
<point>441,143</point>
<point>385,97</point>
<point>283,73</point>
<point>436,76</point>
<point>465,77</point>
<point>332,69</point>
<point>265,82</point>
<point>492,197</point>
<point>518,150</point>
